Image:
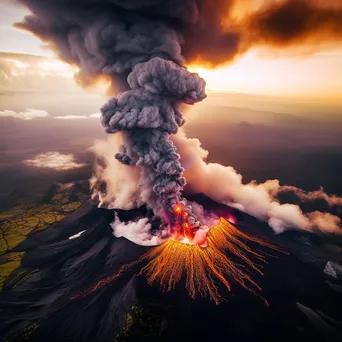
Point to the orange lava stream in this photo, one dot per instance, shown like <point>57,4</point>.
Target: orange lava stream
<point>107,280</point>
<point>203,268</point>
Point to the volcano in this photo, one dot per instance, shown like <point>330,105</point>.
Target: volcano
<point>75,253</point>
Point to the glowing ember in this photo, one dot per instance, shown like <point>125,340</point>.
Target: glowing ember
<point>178,209</point>
<point>181,229</point>
<point>203,268</point>
<point>186,241</point>
<point>232,219</point>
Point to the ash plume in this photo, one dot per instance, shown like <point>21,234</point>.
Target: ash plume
<point>106,38</point>
<point>137,45</point>
<point>297,22</point>
<point>225,185</point>
<point>142,48</point>
<point>149,113</point>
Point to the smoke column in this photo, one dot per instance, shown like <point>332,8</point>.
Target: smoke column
<point>127,41</point>
<point>148,114</point>
<point>141,47</point>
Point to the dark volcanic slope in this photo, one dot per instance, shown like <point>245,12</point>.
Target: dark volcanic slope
<point>61,267</point>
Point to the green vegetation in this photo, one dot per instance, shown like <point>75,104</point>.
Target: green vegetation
<point>23,334</point>
<point>17,223</point>
<point>140,325</point>
<point>20,221</point>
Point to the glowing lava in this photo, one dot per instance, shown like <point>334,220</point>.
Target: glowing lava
<point>226,260</point>
<point>178,209</point>
<point>186,241</point>
<point>182,231</point>
<point>205,268</point>
<point>232,219</point>
<point>107,280</point>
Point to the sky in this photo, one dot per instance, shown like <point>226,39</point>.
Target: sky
<point>315,79</point>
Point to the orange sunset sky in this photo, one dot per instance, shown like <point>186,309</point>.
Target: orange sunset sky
<point>313,77</point>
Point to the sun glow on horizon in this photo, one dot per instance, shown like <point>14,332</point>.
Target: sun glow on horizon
<point>260,74</point>
<point>318,78</point>
<point>315,76</point>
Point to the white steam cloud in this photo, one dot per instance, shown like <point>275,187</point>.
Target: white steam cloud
<point>77,117</point>
<point>221,183</point>
<point>95,115</point>
<point>122,188</point>
<point>137,232</point>
<point>331,200</point>
<point>27,114</point>
<point>70,117</point>
<point>54,160</point>
<point>225,185</point>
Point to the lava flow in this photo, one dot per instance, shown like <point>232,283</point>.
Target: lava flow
<point>205,268</point>
<point>227,259</point>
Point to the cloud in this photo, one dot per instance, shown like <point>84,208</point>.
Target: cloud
<point>113,183</point>
<point>137,232</point>
<point>54,160</point>
<point>78,117</point>
<point>43,66</point>
<point>331,200</point>
<point>71,117</point>
<point>22,73</point>
<point>225,185</point>
<point>27,114</point>
<point>95,115</point>
<point>118,186</point>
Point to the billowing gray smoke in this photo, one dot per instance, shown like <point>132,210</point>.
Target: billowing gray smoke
<point>108,38</point>
<point>137,44</point>
<point>141,46</point>
<point>149,113</point>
